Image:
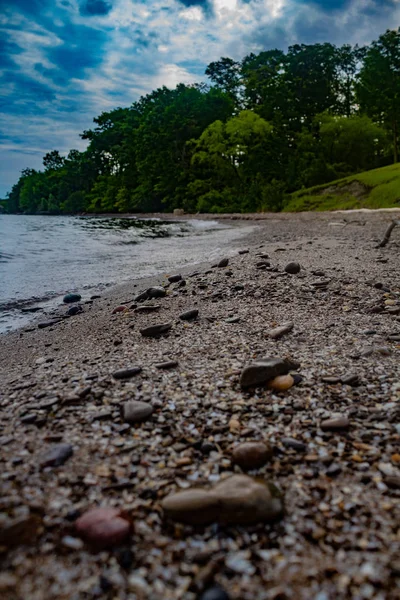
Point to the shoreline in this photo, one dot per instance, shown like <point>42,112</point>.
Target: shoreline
<point>339,531</point>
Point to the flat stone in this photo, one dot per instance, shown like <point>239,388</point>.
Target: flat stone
<point>262,371</point>
<point>120,309</point>
<point>330,379</point>
<point>169,364</point>
<point>50,323</point>
<point>293,268</point>
<point>351,379</point>
<point>74,310</point>
<point>251,455</point>
<point>232,320</point>
<point>57,456</point>
<point>189,315</point>
<point>279,332</point>
<point>135,411</point>
<point>71,298</point>
<point>174,278</point>
<point>224,262</point>
<point>147,308</point>
<point>215,593</point>
<point>103,527</point>
<point>281,383</point>
<point>156,292</point>
<point>337,424</point>
<point>239,500</point>
<point>127,373</point>
<point>155,330</point>
<point>294,444</point>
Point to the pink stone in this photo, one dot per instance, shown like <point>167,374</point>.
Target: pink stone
<point>104,527</point>
<point>120,309</point>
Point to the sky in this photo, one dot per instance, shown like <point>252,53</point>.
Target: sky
<point>62,62</point>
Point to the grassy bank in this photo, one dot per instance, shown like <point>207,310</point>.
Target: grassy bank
<point>379,188</point>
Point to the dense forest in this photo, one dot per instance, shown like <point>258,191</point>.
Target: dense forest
<point>271,124</point>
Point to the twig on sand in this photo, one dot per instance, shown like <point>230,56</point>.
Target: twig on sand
<point>388,233</point>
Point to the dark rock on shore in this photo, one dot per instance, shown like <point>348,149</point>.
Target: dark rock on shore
<point>263,370</point>
<point>169,364</point>
<point>215,593</point>
<point>224,262</point>
<point>155,330</point>
<point>251,455</point>
<point>74,310</point>
<point>136,412</point>
<point>335,424</point>
<point>45,324</point>
<point>149,308</point>
<point>127,373</point>
<point>72,298</point>
<point>189,315</point>
<point>293,268</point>
<point>57,456</point>
<point>174,278</point>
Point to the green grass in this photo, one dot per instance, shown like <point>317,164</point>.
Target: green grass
<point>379,188</point>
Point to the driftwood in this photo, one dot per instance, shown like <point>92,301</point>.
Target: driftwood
<point>388,233</point>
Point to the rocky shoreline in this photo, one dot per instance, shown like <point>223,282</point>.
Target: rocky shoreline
<point>228,433</point>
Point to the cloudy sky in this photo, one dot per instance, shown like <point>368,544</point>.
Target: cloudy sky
<point>64,61</point>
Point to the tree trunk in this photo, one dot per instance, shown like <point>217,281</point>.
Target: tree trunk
<point>395,143</point>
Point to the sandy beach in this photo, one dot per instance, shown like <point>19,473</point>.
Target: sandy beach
<point>69,442</point>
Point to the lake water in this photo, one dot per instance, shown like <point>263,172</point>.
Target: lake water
<point>43,257</point>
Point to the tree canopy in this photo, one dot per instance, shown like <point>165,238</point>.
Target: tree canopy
<point>264,126</point>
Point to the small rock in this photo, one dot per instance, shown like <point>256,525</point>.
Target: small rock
<point>251,455</point>
<point>22,530</point>
<point>169,364</point>
<point>71,542</point>
<point>72,298</point>
<point>156,292</point>
<point>393,482</point>
<point>296,445</point>
<point>232,320</point>
<point>136,411</point>
<point>155,330</point>
<point>28,419</point>
<point>351,379</point>
<point>174,278</point>
<point>147,308</point>
<point>44,324</point>
<point>332,380</point>
<point>293,268</point>
<point>262,371</point>
<point>239,500</point>
<point>333,470</point>
<point>281,383</point>
<point>57,456</point>
<point>279,332</point>
<point>337,424</point>
<point>215,592</point>
<point>127,373</point>
<point>74,310</point>
<point>243,251</point>
<point>223,262</point>
<point>103,527</point>
<point>120,309</point>
<point>189,315</point>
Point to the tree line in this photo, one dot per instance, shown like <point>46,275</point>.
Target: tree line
<point>265,126</point>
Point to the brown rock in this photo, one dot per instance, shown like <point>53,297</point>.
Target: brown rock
<point>23,530</point>
<point>281,383</point>
<point>262,371</point>
<point>135,411</point>
<point>279,332</point>
<point>251,455</point>
<point>338,424</point>
<point>104,527</point>
<point>196,506</point>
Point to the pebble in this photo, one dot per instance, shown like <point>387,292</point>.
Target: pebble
<point>71,542</point>
<point>223,262</point>
<point>239,500</point>
<point>147,308</point>
<point>351,379</point>
<point>294,444</point>
<point>174,278</point>
<point>281,383</point>
<point>103,527</point>
<point>155,330</point>
<point>169,364</point>
<point>244,251</point>
<point>189,315</point>
<point>127,373</point>
<point>74,310</point>
<point>44,324</point>
<point>293,268</point>
<point>337,424</point>
<point>22,530</point>
<point>232,320</point>
<point>156,292</point>
<point>251,455</point>
<point>215,592</point>
<point>262,371</point>
<point>331,379</point>
<point>279,332</point>
<point>57,456</point>
<point>119,309</point>
<point>136,411</point>
<point>71,298</point>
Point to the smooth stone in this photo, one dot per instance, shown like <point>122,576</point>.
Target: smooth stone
<point>149,308</point>
<point>155,330</point>
<point>224,262</point>
<point>156,292</point>
<point>215,593</point>
<point>293,268</point>
<point>74,310</point>
<point>21,530</point>
<point>251,455</point>
<point>331,379</point>
<point>337,424</point>
<point>262,371</point>
<point>351,379</point>
<point>119,309</point>
<point>189,315</point>
<point>103,527</point>
<point>57,456</point>
<point>71,298</point>
<point>44,324</point>
<point>239,500</point>
<point>238,287</point>
<point>174,278</point>
<point>232,320</point>
<point>294,444</point>
<point>135,411</point>
<point>29,419</point>
<point>169,364</point>
<point>244,251</point>
<point>279,332</point>
<point>281,383</point>
<point>127,373</point>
